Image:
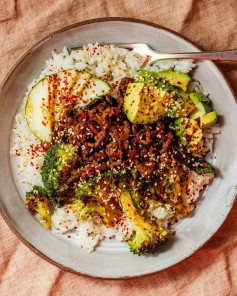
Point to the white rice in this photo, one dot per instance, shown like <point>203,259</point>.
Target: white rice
<point>111,64</point>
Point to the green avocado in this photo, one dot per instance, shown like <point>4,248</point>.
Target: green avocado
<point>200,109</point>
<point>196,97</point>
<point>189,133</point>
<point>152,78</point>
<point>176,78</point>
<point>182,106</point>
<point>144,103</point>
<point>208,119</point>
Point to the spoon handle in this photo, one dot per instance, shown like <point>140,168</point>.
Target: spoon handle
<point>227,55</point>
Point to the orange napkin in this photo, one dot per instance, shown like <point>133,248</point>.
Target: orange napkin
<point>212,26</point>
<point>8,10</point>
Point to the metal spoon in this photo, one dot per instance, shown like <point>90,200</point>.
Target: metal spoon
<point>144,49</point>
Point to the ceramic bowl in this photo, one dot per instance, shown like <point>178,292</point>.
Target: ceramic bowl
<point>112,259</point>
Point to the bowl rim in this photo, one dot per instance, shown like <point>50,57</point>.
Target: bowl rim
<point>35,46</point>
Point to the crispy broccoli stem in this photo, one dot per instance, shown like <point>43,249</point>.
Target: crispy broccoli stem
<point>148,235</point>
<point>58,164</point>
<point>37,201</point>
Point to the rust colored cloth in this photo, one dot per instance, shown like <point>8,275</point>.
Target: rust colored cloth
<point>212,26</point>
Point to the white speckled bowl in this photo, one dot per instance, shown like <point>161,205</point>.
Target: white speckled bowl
<point>112,259</point>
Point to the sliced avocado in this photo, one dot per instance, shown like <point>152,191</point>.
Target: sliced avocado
<point>189,133</point>
<point>144,103</point>
<point>208,119</point>
<point>148,77</point>
<point>199,97</point>
<point>176,78</point>
<point>182,106</point>
<point>132,100</point>
<point>187,107</point>
<point>200,109</point>
<point>152,78</point>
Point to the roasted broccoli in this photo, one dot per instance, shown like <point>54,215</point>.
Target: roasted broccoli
<point>148,234</point>
<point>95,196</point>
<point>131,182</point>
<point>171,188</point>
<point>37,201</point>
<point>199,165</point>
<point>58,165</point>
<point>85,210</point>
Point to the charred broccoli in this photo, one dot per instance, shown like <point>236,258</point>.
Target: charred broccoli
<point>57,167</point>
<point>95,197</point>
<point>148,234</point>
<point>171,191</point>
<point>199,165</point>
<point>37,201</point>
<point>130,182</point>
<point>84,210</point>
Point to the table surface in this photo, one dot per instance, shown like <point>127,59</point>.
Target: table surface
<point>212,26</point>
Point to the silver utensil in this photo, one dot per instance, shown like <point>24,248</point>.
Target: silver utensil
<point>144,49</point>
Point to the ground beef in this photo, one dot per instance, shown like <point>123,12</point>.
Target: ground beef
<point>123,87</point>
<point>167,143</point>
<point>107,140</point>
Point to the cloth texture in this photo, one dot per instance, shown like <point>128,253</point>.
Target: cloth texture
<point>212,271</point>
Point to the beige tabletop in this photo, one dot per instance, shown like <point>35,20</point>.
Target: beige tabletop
<point>212,26</point>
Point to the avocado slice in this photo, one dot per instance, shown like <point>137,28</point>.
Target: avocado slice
<point>154,79</point>
<point>189,133</point>
<point>200,109</point>
<point>187,107</point>
<point>197,97</point>
<point>176,78</point>
<point>208,119</point>
<point>182,106</point>
<point>145,103</point>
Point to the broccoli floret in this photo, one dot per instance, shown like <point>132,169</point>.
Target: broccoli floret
<point>85,210</point>
<point>148,234</point>
<point>130,182</point>
<point>57,167</point>
<point>171,190</point>
<point>199,165</point>
<point>37,201</point>
<point>95,197</point>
